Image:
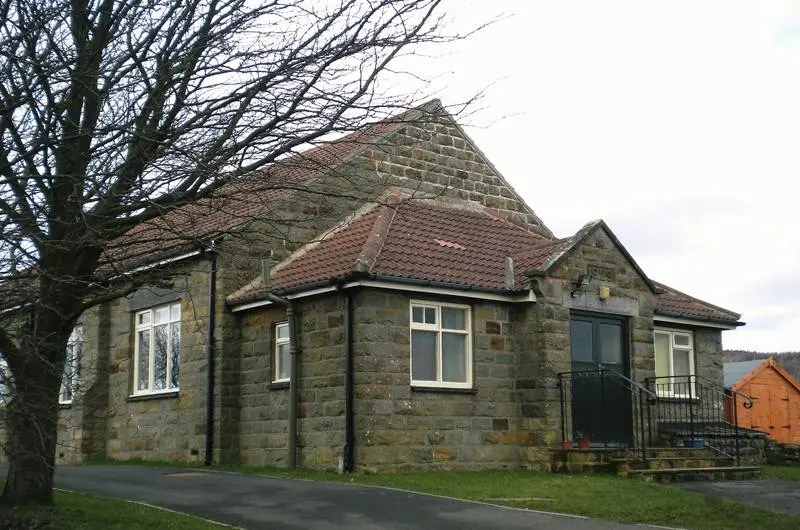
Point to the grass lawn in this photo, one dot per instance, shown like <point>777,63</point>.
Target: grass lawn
<point>606,497</point>
<point>73,511</point>
<point>784,473</point>
<point>603,496</point>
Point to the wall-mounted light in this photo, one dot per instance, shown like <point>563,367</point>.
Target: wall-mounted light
<point>582,281</point>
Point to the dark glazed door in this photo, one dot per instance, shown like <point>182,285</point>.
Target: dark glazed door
<point>601,404</point>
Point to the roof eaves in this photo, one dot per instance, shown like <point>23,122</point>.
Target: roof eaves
<point>667,289</point>
<point>698,318</point>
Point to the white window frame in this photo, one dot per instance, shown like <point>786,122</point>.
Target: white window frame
<point>150,390</point>
<point>276,356</point>
<point>663,390</point>
<point>438,383</point>
<point>71,363</point>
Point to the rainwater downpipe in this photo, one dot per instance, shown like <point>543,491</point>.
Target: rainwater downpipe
<point>349,423</point>
<point>212,322</point>
<point>291,318</point>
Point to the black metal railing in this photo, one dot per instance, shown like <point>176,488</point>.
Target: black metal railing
<point>606,408</point>
<point>697,412</point>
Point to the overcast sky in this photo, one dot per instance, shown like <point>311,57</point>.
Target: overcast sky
<point>676,122</point>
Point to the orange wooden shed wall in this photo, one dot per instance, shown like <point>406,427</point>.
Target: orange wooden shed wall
<point>776,402</point>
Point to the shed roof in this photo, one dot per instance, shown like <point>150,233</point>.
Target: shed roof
<point>734,372</point>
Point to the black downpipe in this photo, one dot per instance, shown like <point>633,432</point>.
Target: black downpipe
<point>350,431</point>
<point>212,317</point>
<point>294,375</point>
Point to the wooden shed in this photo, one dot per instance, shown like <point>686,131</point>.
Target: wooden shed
<point>776,399</point>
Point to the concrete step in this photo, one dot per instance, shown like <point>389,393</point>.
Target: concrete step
<point>693,474</point>
<point>674,462</point>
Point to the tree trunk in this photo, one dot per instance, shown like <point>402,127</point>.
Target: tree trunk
<point>31,416</point>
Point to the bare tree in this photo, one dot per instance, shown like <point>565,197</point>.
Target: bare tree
<point>115,112</point>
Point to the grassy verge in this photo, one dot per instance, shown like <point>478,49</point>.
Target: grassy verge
<point>602,496</point>
<point>74,511</point>
<point>784,473</point>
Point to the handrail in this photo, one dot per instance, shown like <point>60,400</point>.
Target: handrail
<point>748,400</point>
<point>642,399</point>
<point>721,389</point>
<point>621,376</point>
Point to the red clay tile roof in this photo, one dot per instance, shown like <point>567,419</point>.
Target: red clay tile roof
<point>431,242</point>
<point>416,240</point>
<point>675,303</point>
<point>240,201</point>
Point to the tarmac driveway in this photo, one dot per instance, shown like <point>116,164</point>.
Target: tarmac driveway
<point>263,502</point>
<point>782,496</point>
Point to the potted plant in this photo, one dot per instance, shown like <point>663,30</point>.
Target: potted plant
<point>694,442</point>
<point>583,440</point>
<point>566,444</point>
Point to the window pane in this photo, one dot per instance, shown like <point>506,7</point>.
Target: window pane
<point>282,331</point>
<point>283,360</point>
<point>160,357</point>
<point>144,360</point>
<point>162,315</point>
<point>662,356</point>
<point>416,314</point>
<point>681,362</point>
<point>610,336</point>
<point>454,318</point>
<point>175,312</point>
<point>423,355</point>
<point>144,318</point>
<point>454,357</point>
<point>681,339</point>
<point>66,379</point>
<point>175,338</point>
<point>581,337</point>
<point>430,315</point>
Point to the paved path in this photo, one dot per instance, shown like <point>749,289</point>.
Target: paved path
<point>282,504</point>
<point>781,496</point>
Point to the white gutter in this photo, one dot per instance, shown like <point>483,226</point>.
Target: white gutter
<point>179,257</point>
<point>495,297</point>
<point>690,322</point>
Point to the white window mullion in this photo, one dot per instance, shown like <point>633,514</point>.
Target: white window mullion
<point>151,358</point>
<point>168,375</point>
<point>438,357</point>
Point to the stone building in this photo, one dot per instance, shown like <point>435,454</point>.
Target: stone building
<point>418,314</point>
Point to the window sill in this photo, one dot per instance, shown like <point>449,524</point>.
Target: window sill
<point>279,385</point>
<point>443,390</point>
<point>155,395</point>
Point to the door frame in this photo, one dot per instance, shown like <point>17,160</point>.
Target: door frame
<point>624,322</point>
<point>626,339</point>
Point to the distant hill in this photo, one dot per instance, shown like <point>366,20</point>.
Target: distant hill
<point>790,361</point>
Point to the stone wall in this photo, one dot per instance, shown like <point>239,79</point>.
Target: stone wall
<point>782,454</point>
<point>160,427</point>
<point>430,159</point>
<point>708,354</point>
<point>264,406</point>
<point>321,365</point>
<point>402,428</point>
